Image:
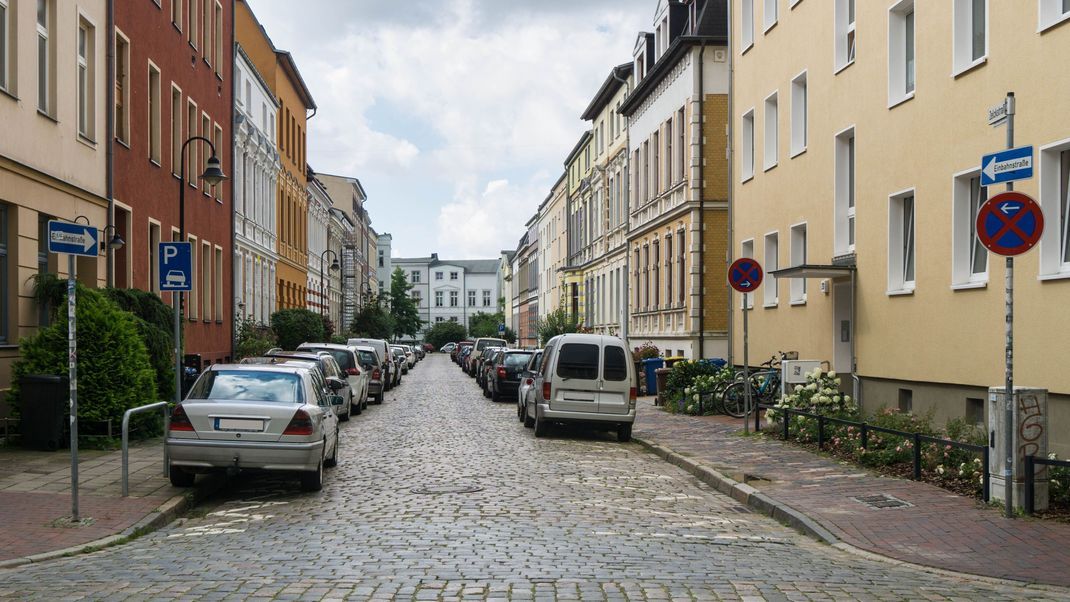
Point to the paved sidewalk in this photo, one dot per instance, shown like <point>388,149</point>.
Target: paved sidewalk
<point>940,529</point>
<point>35,497</point>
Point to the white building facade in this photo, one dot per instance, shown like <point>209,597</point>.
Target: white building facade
<point>256,168</point>
<point>320,255</point>
<point>384,264</point>
<point>451,291</point>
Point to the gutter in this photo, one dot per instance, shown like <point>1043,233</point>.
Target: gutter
<point>702,202</point>
<point>230,183</point>
<point>627,214</point>
<point>731,183</point>
<point>110,144</point>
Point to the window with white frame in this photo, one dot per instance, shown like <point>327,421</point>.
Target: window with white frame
<point>217,285</point>
<point>122,88</point>
<point>845,33</point>
<point>438,298</point>
<point>1052,12</point>
<point>1055,202</point>
<point>176,128</point>
<point>417,298</point>
<point>772,131</point>
<point>799,125</point>
<point>414,276</point>
<point>454,298</point>
<point>747,25</point>
<point>438,275</point>
<point>45,56</point>
<point>218,45</point>
<point>86,78</point>
<point>681,133</point>
<point>747,250</point>
<point>969,259</point>
<point>746,151</point>
<point>486,298</point>
<point>901,242</point>
<point>471,298</point>
<point>206,280</point>
<point>845,192</point>
<point>772,262</point>
<point>191,131</point>
<point>155,149</point>
<point>453,275</point>
<point>769,14</point>
<point>193,297</point>
<point>669,156</point>
<point>194,23</point>
<point>798,257</point>
<point>6,43</point>
<point>900,52</point>
<point>969,34</point>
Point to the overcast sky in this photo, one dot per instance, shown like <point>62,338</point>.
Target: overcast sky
<point>456,115</point>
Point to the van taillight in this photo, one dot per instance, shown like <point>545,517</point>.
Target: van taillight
<point>179,420</point>
<point>353,371</point>
<point>376,374</point>
<point>529,382</point>
<point>632,395</point>
<point>300,424</point>
<point>546,390</point>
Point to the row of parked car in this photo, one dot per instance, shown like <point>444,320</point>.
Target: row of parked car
<point>281,411</point>
<point>576,378</point>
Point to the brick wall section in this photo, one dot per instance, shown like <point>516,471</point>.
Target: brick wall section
<point>715,303</point>
<point>714,129</point>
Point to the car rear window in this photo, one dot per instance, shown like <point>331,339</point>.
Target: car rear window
<point>248,385</point>
<point>516,360</point>
<point>343,357</point>
<point>615,365</point>
<point>578,360</point>
<point>369,357</point>
<point>489,343</point>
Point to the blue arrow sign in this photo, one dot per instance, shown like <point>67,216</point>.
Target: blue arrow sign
<point>1007,166</point>
<point>174,265</point>
<point>75,239</point>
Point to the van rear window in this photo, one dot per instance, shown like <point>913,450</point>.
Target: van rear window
<point>578,360</point>
<point>615,367</point>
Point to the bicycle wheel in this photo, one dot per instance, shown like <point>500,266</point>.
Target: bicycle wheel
<point>734,399</point>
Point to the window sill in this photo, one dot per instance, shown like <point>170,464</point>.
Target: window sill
<point>900,292</point>
<point>843,66</point>
<point>746,48</point>
<point>122,142</point>
<point>1054,276</point>
<point>969,286</point>
<point>747,179</point>
<point>86,140</point>
<point>47,116</point>
<point>771,305</point>
<point>10,95</point>
<point>155,162</point>
<point>963,70</point>
<point>769,28</point>
<point>1044,27</point>
<point>798,302</point>
<point>796,153</point>
<point>898,101</point>
<point>769,167</point>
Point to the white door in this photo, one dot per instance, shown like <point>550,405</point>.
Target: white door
<point>841,326</point>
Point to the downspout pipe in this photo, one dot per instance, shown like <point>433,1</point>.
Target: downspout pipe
<point>109,144</point>
<point>623,292</point>
<point>702,202</point>
<point>231,183</point>
<point>731,183</point>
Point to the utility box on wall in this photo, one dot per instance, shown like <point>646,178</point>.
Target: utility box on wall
<point>793,372</point>
<point>1030,428</point>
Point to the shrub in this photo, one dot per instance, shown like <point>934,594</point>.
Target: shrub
<point>155,324</point>
<point>445,332</point>
<point>556,322</point>
<point>645,351</point>
<point>114,371</point>
<point>693,378</point>
<point>251,338</point>
<point>1059,485</point>
<point>295,326</point>
<point>373,322</point>
<point>820,395</point>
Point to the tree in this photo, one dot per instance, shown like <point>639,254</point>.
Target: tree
<point>296,326</point>
<point>485,325</point>
<point>403,311</point>
<point>373,322</point>
<point>557,322</point>
<point>445,332</point>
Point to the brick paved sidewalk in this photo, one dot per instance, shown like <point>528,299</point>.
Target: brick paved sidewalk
<point>940,529</point>
<point>35,495</point>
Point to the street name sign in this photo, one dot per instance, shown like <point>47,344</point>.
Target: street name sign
<point>1007,166</point>
<point>1010,223</point>
<point>74,239</point>
<point>997,114</point>
<point>174,265</point>
<point>745,275</point>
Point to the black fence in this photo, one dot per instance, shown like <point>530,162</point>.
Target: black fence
<point>865,429</point>
<point>1031,475</point>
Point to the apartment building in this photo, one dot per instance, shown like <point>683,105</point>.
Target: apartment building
<point>322,258</point>
<point>858,130</point>
<point>552,250</point>
<point>526,286</point>
<point>450,290</point>
<point>678,228</point>
<point>578,229</point>
<point>385,265</point>
<point>359,248</point>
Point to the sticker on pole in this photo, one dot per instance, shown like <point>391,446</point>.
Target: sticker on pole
<point>174,265</point>
<point>1009,223</point>
<point>745,275</point>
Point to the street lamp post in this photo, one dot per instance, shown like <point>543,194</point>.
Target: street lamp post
<point>334,268</point>
<point>213,174</point>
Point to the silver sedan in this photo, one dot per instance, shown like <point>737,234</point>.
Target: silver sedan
<point>265,417</point>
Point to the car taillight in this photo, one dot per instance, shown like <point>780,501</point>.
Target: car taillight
<point>546,390</point>
<point>501,372</point>
<point>353,371</point>
<point>632,395</point>
<point>376,375</point>
<point>300,424</point>
<point>179,420</point>
<point>529,382</point>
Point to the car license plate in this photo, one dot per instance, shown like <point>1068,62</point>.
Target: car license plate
<point>239,424</point>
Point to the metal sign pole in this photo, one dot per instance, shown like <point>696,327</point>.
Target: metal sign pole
<point>72,366</point>
<point>176,300</point>
<point>746,368</point>
<point>1008,393</point>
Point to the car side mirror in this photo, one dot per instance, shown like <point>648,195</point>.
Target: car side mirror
<point>335,384</point>
<point>336,400</point>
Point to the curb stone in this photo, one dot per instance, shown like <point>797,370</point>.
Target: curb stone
<point>786,515</point>
<point>163,515</point>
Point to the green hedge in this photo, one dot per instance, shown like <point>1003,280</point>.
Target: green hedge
<point>295,326</point>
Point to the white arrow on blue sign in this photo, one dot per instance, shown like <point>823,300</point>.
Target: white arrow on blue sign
<point>1007,166</point>
<point>174,265</point>
<point>74,239</point>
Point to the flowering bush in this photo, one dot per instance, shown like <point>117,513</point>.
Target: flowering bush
<point>645,351</point>
<point>820,395</point>
<point>1059,485</point>
<point>691,386</point>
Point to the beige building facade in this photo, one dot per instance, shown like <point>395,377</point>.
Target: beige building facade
<point>858,134</point>
<point>553,246</point>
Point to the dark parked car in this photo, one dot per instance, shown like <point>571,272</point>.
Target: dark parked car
<point>505,374</point>
<point>458,349</point>
<point>482,365</point>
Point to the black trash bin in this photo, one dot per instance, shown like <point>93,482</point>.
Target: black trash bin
<point>44,402</point>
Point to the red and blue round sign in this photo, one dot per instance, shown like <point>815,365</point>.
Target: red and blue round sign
<point>745,275</point>
<point>1009,223</point>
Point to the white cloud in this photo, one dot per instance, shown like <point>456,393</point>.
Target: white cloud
<point>482,225</point>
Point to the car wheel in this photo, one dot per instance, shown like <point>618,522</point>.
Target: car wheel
<point>495,395</point>
<point>624,432</point>
<point>364,404</point>
<point>541,426</point>
<point>333,460</point>
<point>529,422</point>
<point>359,407</point>
<point>519,411</point>
<point>312,480</point>
<point>486,393</point>
<point>180,478</point>
<point>349,411</point>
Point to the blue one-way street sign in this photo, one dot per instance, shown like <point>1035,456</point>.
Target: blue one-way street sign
<point>1007,166</point>
<point>174,264</point>
<point>75,239</point>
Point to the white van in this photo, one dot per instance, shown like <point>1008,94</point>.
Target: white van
<point>584,378</point>
<point>386,359</point>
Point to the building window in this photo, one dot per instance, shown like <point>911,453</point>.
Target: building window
<point>772,261</point>
<point>969,260</point>
<point>206,131</point>
<point>86,79</point>
<point>122,88</point>
<point>439,319</point>
<point>646,171</point>
<point>798,257</point>
<point>217,285</point>
<point>845,33</point>
<point>45,45</point>
<point>155,146</point>
<point>194,296</point>
<point>670,133</point>
<point>453,275</point>
<point>471,298</point>
<point>682,267</point>
<point>6,43</point>
<point>1055,202</point>
<point>154,243</point>
<point>191,131</point>
<point>217,140</point>
<point>417,298</point>
<point>438,275</point>
<point>747,25</point>
<point>772,136</point>
<point>176,128</point>
<point>668,271</point>
<point>414,276</point>
<point>747,250</point>
<point>746,151</point>
<point>176,13</point>
<point>901,242</point>
<point>1052,12</point>
<point>769,14</point>
<point>438,298</point>
<point>657,274</point>
<point>970,34</point>
<point>486,298</point>
<point>799,125</point>
<point>44,310</point>
<point>217,45</point>
<point>5,284</point>
<point>681,137</point>
<point>454,298</point>
<point>900,52</point>
<point>655,164</point>
<point>845,192</point>
<point>194,23</point>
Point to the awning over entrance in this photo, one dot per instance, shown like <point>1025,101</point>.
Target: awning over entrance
<point>807,270</point>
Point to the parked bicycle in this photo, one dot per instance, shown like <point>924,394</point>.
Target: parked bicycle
<point>764,385</point>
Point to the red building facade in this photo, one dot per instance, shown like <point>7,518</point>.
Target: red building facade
<point>173,66</point>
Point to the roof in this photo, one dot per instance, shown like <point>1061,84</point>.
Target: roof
<point>471,266</point>
<point>290,67</point>
<point>616,78</point>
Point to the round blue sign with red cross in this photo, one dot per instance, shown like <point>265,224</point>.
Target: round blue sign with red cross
<point>745,274</point>
<point>1010,223</point>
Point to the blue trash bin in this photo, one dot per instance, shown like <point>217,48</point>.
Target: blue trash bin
<point>649,366</point>
<point>716,362</point>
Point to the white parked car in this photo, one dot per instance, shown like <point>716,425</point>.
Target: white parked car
<point>349,362</point>
<point>270,417</point>
<point>526,393</point>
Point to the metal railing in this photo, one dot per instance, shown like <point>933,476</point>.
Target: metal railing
<point>1030,476</point>
<point>865,428</point>
<point>159,405</point>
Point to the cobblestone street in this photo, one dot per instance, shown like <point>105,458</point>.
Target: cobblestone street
<point>573,516</point>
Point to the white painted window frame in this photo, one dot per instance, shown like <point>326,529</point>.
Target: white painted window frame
<point>1050,13</point>
<point>964,232</point>
<point>1051,199</point>
<point>962,59</point>
<point>844,213</point>
<point>770,14</point>
<point>845,47</point>
<point>798,254</point>
<point>746,25</point>
<point>771,256</point>
<point>800,126</point>
<point>899,232</point>
<point>771,131</point>
<point>747,155</point>
<point>899,90</point>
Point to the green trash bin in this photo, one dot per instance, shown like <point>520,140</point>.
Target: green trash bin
<point>44,402</point>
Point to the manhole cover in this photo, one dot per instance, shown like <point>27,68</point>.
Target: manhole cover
<point>441,489</point>
<point>882,501</point>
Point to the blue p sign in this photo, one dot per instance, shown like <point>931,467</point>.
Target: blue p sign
<point>174,265</point>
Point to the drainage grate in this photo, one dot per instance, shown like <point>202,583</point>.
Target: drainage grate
<point>882,501</point>
<point>441,489</point>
